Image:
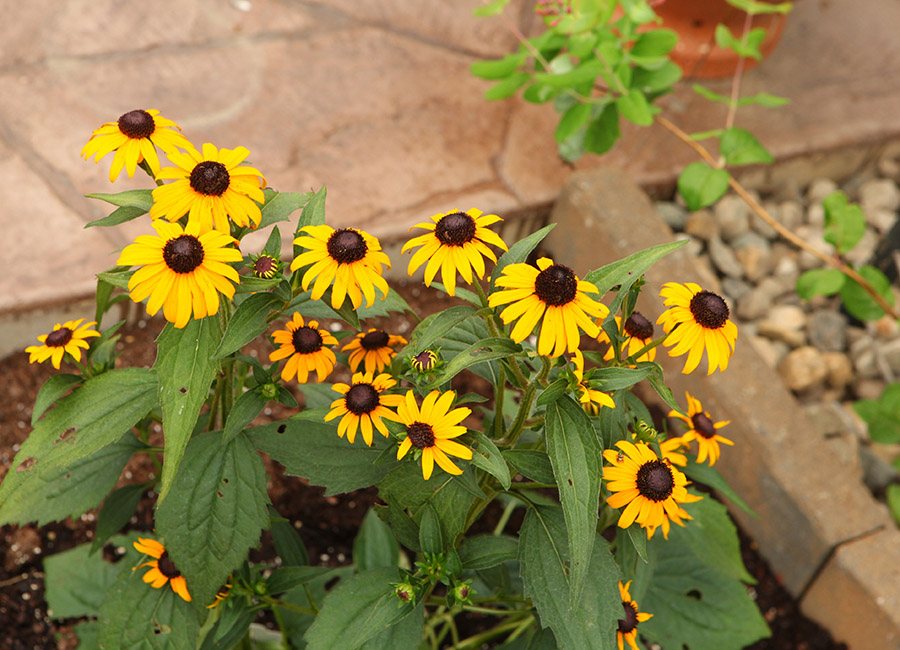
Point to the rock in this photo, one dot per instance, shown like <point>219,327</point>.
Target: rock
<point>886,327</point>
<point>791,215</point>
<point>815,216</point>
<point>786,271</point>
<point>827,330</point>
<point>724,259</point>
<point>813,237</point>
<point>863,355</point>
<point>732,216</point>
<point>868,388</point>
<point>761,227</point>
<point>889,166</point>
<point>674,215</point>
<point>772,352</point>
<point>840,369</point>
<point>758,302</point>
<point>864,249</point>
<point>890,352</point>
<point>702,225</point>
<point>693,248</point>
<point>803,369</point>
<point>735,288</point>
<point>819,189</point>
<point>754,253</point>
<point>879,194</point>
<point>881,219</point>
<point>878,472</point>
<point>827,417</point>
<point>784,323</point>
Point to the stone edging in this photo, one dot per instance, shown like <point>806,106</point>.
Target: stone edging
<point>833,545</point>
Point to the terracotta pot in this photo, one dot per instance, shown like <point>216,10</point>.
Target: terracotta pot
<point>695,21</point>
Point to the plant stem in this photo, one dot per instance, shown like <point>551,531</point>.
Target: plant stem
<point>504,518</point>
<point>477,640</point>
<point>738,73</point>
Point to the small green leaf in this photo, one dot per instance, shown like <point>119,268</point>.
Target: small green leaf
<point>280,206</point>
<point>611,378</point>
<point>118,216</point>
<point>117,510</point>
<point>531,463</point>
<point>431,539</point>
<point>584,73</point>
<point>232,624</point>
<point>485,551</point>
<point>626,271</point>
<point>893,501</point>
<point>748,47</point>
<point>313,213</point>
<point>753,7</point>
<point>117,278</point>
<point>499,69</point>
<point>507,87</point>
<point>52,390</point>
<point>490,9</point>
<point>375,546</point>
<point>657,79</point>
<point>654,44</point>
<point>288,543</point>
<point>765,100</point>
<point>476,353</point>
<point>700,185</point>
<point>520,251</point>
<point>858,301</point>
<point>819,282</point>
<point>290,577</point>
<point>572,120</point>
<point>845,223</point>
<point>603,131</point>
<point>393,302</point>
<point>553,392</point>
<point>130,198</point>
<point>710,95</point>
<point>486,456</point>
<point>634,108</point>
<point>248,321</point>
<point>740,147</point>
<point>246,407</point>
<point>638,539</point>
<point>882,415</point>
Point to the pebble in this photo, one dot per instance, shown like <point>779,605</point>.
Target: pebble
<point>735,288</point>
<point>702,225</point>
<point>754,253</point>
<point>890,352</point>
<point>772,352</point>
<point>674,215</point>
<point>815,216</point>
<point>785,319</point>
<point>863,356</point>
<point>881,219</point>
<point>724,258</point>
<point>761,227</point>
<point>803,369</point>
<point>819,189</point>
<point>868,388</point>
<point>791,214</point>
<point>827,417</point>
<point>879,194</point>
<point>813,236</point>
<point>878,472</point>
<point>733,217</point>
<point>864,249</point>
<point>840,369</point>
<point>827,330</point>
<point>758,302</point>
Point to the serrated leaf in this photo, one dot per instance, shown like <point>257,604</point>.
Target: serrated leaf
<point>433,327</point>
<point>700,185</point>
<point>280,207</point>
<point>635,108</point>
<point>314,451</point>
<point>118,216</point>
<point>520,251</point>
<point>858,301</point>
<point>215,512</point>
<point>485,551</point>
<point>603,131</point>
<point>248,321</point>
<point>531,463</point>
<point>186,367</point>
<point>845,223</point>
<point>52,390</point>
<point>356,610</point>
<point>820,282</point>
<point>117,510</point>
<point>575,455</point>
<point>129,198</point>
<point>740,147</point>
<point>375,546</point>
<point>246,407</point>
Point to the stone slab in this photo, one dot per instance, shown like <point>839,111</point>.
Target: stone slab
<point>808,503</point>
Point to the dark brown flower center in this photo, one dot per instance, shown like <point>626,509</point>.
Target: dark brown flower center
<point>703,425</point>
<point>361,398</point>
<point>374,340</point>
<point>306,340</point>
<point>709,310</point>
<point>166,566</point>
<point>58,338</point>
<point>210,178</point>
<point>630,621</point>
<point>655,480</point>
<point>455,229</point>
<point>265,266</point>
<point>424,361</point>
<point>638,327</point>
<point>183,254</point>
<point>137,124</point>
<point>421,435</point>
<point>346,246</point>
<point>556,285</point>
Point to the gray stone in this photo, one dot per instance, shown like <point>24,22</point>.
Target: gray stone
<point>879,194</point>
<point>693,248</point>
<point>881,219</point>
<point>890,352</point>
<point>733,217</point>
<point>864,249</point>
<point>862,353</point>
<point>735,288</point>
<point>819,189</point>
<point>840,369</point>
<point>674,215</point>
<point>803,369</point>
<point>814,238</point>
<point>760,226</point>
<point>758,302</point>
<point>878,472</point>
<point>815,216</point>
<point>791,214</point>
<point>772,352</point>
<point>701,224</point>
<point>783,319</point>
<point>786,271</point>
<point>828,417</point>
<point>828,330</point>
<point>724,259</point>
<point>754,253</point>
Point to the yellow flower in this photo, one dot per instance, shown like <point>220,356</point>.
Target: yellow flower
<point>424,361</point>
<point>651,488</point>
<point>304,348</point>
<point>363,405</point>
<point>184,272</point>
<point>133,138</point>
<point>374,349</point>
<point>627,630</point>
<point>221,595</point>
<point>210,188</point>
<point>670,450</point>
<point>703,430</point>
<point>162,569</point>
<point>591,400</point>
<point>430,430</point>
<point>458,242</point>
<point>350,258</point>
<point>697,320</point>
<point>67,337</point>
<point>638,333</point>
<point>554,296</point>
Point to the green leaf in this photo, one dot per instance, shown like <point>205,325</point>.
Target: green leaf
<point>117,510</point>
<point>754,8</point>
<point>634,108</point>
<point>747,47</point>
<point>703,473</point>
<point>638,539</point>
<point>575,455</point>
<point>845,223</point>
<point>186,368</point>
<point>819,282</point>
<point>657,79</point>
<point>356,610</point>
<point>657,381</point>
<point>485,551</point>
<point>405,634</point>
<point>588,623</point>
<point>882,415</point>
<point>584,73</point>
<point>603,131</point>
<point>129,198</point>
<point>490,9</point>
<point>431,538</point>
<point>290,577</point>
<point>314,451</point>
<point>893,501</point>
<point>433,327</point>
<point>701,185</point>
<point>375,545</point>
<point>118,216</point>
<point>499,69</point>
<point>625,272</point>
<point>740,147</point>
<point>765,100</point>
<point>710,95</point>
<point>233,623</point>
<point>246,407</point>
<point>612,378</point>
<point>215,512</point>
<point>531,463</point>
<point>313,212</point>
<point>520,251</point>
<point>134,616</point>
<point>857,300</point>
<point>393,302</point>
<point>553,392</point>
<point>654,44</point>
<point>117,278</point>
<point>248,321</point>
<point>507,87</point>
<point>288,544</point>
<point>478,352</point>
<point>280,206</point>
<point>52,390</point>
<point>487,457</point>
<point>573,119</point>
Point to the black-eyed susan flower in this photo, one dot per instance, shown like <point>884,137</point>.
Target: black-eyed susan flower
<point>457,242</point>
<point>638,333</point>
<point>162,569</point>
<point>350,258</point>
<point>221,595</point>
<point>210,188</point>
<point>133,137</point>
<point>363,405</point>
<point>627,630</point>
<point>697,320</point>
<point>304,348</point>
<point>551,295</point>
<point>670,448</point>
<point>265,265</point>
<point>425,361</point>
<point>374,349</point>
<point>183,271</point>
<point>649,487</point>
<point>592,400</point>
<point>430,430</point>
<point>703,430</point>
<point>68,337</point>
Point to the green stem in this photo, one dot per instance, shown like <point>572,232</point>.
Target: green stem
<point>214,407</point>
<point>499,398</point>
<point>477,640</point>
<point>227,380</point>
<point>531,486</point>
<point>274,602</point>
<point>504,518</point>
<point>143,165</point>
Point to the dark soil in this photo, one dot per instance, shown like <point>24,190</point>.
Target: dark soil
<point>327,525</point>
